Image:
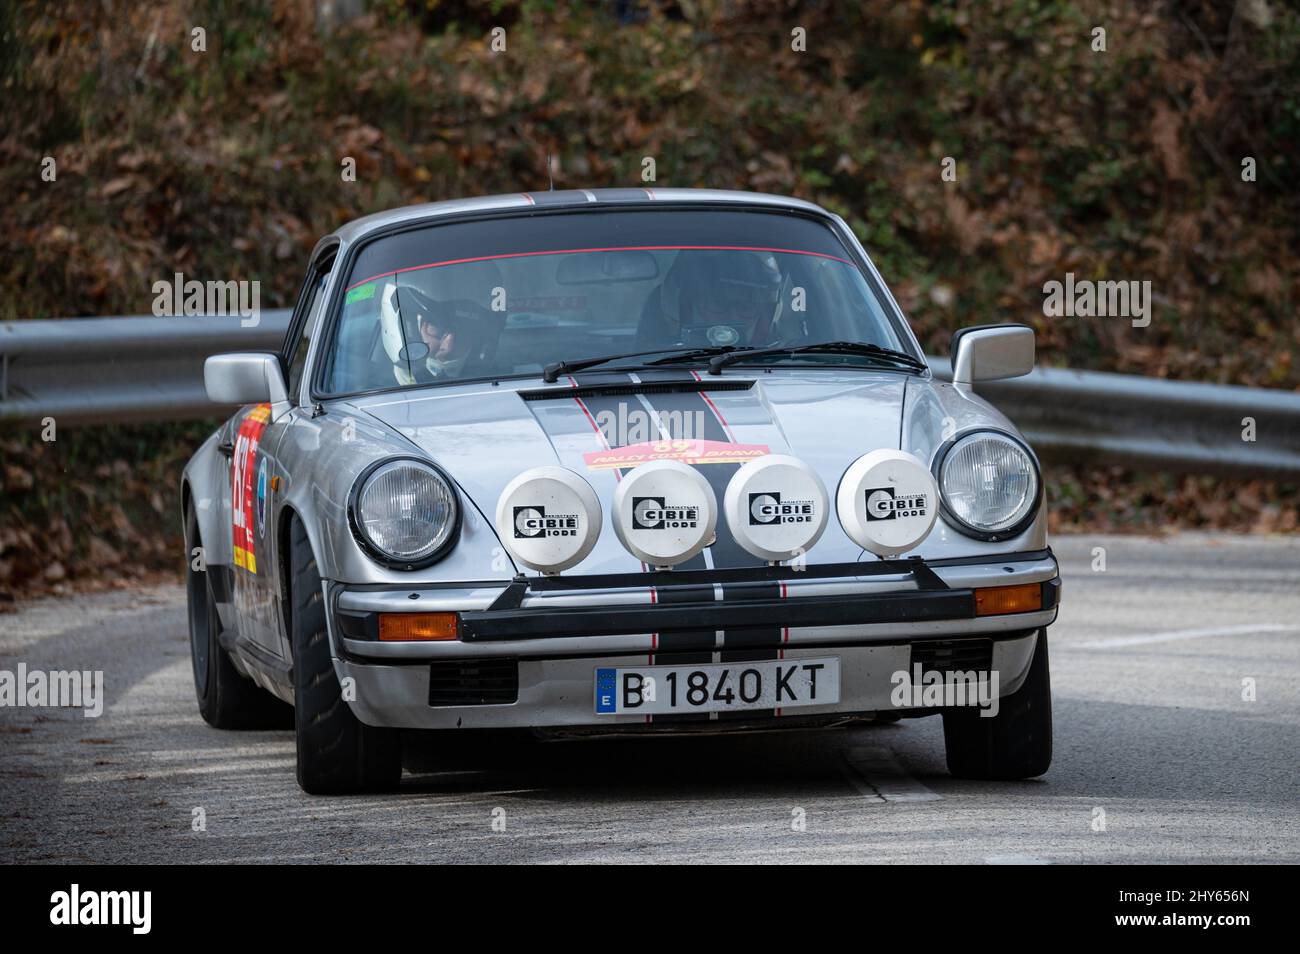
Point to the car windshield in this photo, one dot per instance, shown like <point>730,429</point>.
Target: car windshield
<point>508,296</point>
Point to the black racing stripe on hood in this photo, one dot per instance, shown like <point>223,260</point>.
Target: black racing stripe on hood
<point>691,647</point>
<point>726,552</point>
<point>686,406</point>
<point>685,648</point>
<point>696,640</point>
<point>598,404</point>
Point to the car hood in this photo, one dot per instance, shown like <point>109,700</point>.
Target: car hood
<point>484,435</point>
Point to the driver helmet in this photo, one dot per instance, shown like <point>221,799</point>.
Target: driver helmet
<point>735,292</point>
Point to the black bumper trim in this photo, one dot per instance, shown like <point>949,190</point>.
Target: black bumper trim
<point>667,580</point>
<point>747,574</point>
<point>732,615</point>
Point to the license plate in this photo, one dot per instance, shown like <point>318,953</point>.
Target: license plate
<point>719,687</point>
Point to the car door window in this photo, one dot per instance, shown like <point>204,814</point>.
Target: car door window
<point>313,301</point>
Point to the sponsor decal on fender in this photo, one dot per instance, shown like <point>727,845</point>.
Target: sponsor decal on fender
<point>688,452</point>
<point>262,490</point>
<point>243,476</point>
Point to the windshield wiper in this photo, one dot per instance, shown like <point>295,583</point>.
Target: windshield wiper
<point>553,371</point>
<point>722,355</point>
<point>694,354</point>
<point>860,349</point>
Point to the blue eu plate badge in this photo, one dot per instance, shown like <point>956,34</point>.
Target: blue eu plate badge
<point>606,682</point>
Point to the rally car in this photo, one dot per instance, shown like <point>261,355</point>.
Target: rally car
<point>621,461</point>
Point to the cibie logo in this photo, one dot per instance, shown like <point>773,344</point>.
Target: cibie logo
<point>534,522</point>
<point>883,505</point>
<point>768,509</point>
<point>653,513</point>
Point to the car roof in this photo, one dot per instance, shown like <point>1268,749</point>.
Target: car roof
<point>523,201</point>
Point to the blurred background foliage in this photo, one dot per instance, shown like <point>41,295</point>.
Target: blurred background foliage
<point>1123,164</point>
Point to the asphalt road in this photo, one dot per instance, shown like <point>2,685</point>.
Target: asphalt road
<point>1159,758</point>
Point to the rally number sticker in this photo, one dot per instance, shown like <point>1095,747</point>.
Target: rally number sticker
<point>243,474</point>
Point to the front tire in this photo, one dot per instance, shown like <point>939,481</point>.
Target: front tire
<point>337,753</point>
<point>1014,744</point>
<point>227,700</point>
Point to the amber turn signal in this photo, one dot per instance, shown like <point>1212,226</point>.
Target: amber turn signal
<point>413,627</point>
<point>997,600</point>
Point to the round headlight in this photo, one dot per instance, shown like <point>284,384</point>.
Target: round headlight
<point>406,512</point>
<point>989,484</point>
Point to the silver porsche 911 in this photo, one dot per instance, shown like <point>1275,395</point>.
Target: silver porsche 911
<point>616,461</point>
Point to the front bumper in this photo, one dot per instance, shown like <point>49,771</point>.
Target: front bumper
<point>550,634</point>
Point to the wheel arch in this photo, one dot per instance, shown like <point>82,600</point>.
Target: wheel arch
<point>284,570</point>
<point>202,483</point>
<point>284,563</point>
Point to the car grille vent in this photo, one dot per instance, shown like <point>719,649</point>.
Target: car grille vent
<point>952,655</point>
<point>660,387</point>
<point>482,682</point>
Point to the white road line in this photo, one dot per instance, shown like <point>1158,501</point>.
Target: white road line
<point>875,773</point>
<point>1177,634</point>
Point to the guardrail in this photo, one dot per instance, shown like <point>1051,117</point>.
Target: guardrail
<point>119,370</point>
<point>1150,423</point>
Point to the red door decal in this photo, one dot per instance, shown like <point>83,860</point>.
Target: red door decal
<point>242,474</point>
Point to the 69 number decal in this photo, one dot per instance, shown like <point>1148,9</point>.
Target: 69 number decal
<point>244,493</point>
